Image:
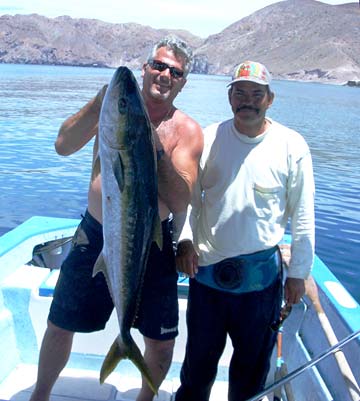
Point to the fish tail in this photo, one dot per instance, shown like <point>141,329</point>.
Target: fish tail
<point>119,351</point>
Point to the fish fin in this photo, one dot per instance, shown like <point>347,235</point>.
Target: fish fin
<point>96,168</point>
<point>118,168</point>
<point>119,351</point>
<point>158,235</point>
<point>115,354</point>
<point>99,266</point>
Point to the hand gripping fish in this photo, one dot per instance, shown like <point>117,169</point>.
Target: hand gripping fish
<point>130,209</point>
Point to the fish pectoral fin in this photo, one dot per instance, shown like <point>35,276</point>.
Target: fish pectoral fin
<point>158,234</point>
<point>99,266</point>
<point>118,169</point>
<point>119,351</point>
<point>96,168</point>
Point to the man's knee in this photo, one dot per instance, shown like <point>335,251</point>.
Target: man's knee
<point>163,349</point>
<point>58,332</point>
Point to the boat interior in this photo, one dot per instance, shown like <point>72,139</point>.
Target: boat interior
<point>30,258</point>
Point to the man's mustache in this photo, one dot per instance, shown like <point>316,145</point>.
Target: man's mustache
<point>240,108</point>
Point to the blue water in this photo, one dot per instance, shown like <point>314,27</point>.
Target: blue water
<point>34,180</point>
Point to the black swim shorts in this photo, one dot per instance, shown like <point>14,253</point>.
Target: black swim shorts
<point>82,303</point>
<point>158,314</point>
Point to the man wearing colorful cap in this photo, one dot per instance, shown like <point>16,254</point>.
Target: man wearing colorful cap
<point>255,176</point>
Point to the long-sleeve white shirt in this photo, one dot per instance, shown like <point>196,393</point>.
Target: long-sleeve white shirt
<point>247,191</point>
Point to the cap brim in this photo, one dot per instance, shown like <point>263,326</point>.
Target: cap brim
<point>248,79</point>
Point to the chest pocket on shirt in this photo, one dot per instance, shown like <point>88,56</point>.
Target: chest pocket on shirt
<point>267,200</point>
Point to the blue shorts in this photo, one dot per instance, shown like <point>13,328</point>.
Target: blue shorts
<point>82,303</point>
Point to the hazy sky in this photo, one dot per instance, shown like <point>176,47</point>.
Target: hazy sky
<point>200,17</point>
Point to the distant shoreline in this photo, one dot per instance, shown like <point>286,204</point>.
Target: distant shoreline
<point>350,83</point>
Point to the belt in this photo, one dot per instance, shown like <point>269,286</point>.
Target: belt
<point>243,273</point>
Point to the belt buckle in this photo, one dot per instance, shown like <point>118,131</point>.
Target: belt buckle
<point>228,273</point>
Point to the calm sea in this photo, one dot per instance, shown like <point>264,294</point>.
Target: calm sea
<point>34,180</point>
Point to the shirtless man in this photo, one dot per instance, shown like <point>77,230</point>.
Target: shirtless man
<point>82,303</point>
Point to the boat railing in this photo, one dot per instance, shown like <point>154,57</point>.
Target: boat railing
<point>286,379</point>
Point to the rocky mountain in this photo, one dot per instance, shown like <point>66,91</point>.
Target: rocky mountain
<point>296,39</point>
<point>34,39</point>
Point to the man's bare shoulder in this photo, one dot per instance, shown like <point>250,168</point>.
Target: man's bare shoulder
<point>187,127</point>
<point>185,119</point>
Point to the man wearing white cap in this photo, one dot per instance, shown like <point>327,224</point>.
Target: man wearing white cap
<point>255,176</point>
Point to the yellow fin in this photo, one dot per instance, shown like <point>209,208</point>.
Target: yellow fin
<point>119,351</point>
<point>99,266</point>
<point>112,358</point>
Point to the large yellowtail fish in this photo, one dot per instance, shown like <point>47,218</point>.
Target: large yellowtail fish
<point>130,209</point>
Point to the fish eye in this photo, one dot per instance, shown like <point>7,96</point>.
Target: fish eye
<point>122,105</point>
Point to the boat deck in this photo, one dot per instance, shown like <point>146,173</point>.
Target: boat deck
<point>26,294</point>
<point>83,385</point>
<point>30,289</point>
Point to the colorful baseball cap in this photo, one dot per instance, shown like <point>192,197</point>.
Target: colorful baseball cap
<point>251,71</point>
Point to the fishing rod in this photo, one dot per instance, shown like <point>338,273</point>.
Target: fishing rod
<point>306,366</point>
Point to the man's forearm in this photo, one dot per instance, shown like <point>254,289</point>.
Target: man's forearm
<point>78,129</point>
<point>178,224</point>
<point>173,189</point>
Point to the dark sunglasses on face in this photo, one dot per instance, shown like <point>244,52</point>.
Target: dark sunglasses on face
<point>160,66</point>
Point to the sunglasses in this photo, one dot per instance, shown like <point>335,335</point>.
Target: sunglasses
<point>160,66</point>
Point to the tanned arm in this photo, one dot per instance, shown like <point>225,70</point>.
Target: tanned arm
<point>78,129</point>
<point>178,170</point>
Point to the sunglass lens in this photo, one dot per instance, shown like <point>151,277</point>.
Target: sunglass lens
<point>159,66</point>
<point>156,65</point>
<point>176,73</point>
